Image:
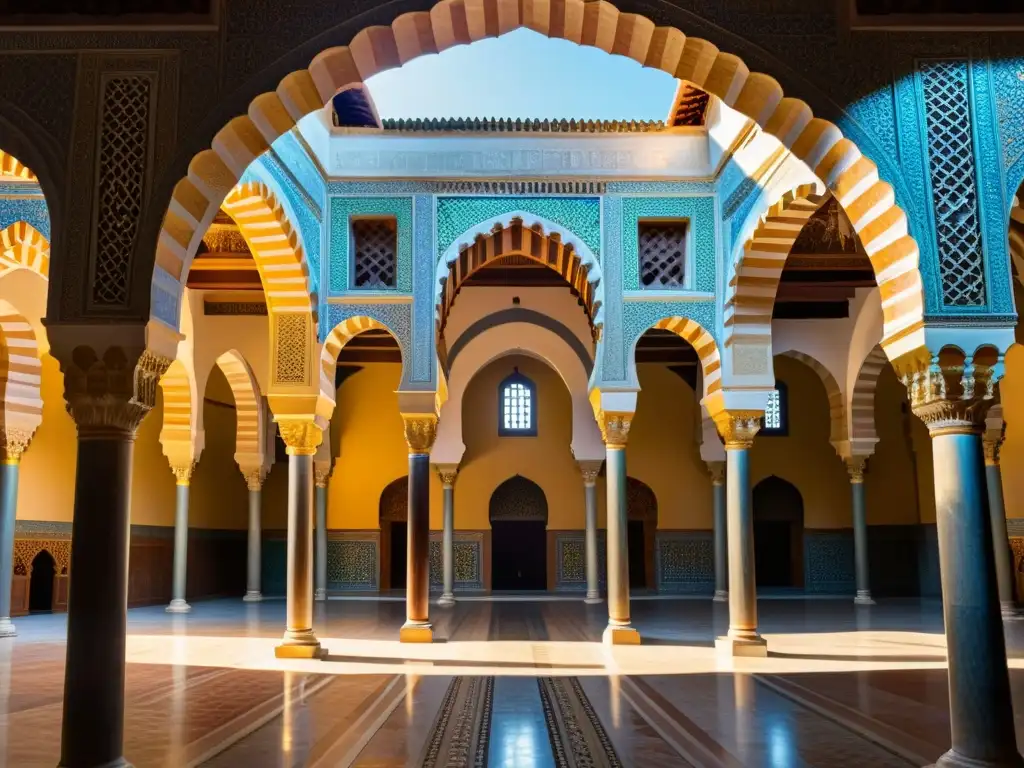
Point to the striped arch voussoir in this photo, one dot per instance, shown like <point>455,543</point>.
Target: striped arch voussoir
<point>249,413</point>
<point>337,339</point>
<point>852,178</point>
<point>23,247</point>
<point>177,435</point>
<point>705,346</point>
<point>11,167</point>
<point>862,400</point>
<point>20,374</point>
<point>836,406</point>
<point>275,247</point>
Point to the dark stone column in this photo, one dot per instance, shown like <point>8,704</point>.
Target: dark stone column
<point>1000,539</point>
<point>420,431</point>
<point>448,474</point>
<point>717,472</point>
<point>856,466</point>
<point>182,474</point>
<point>322,473</point>
<point>254,481</point>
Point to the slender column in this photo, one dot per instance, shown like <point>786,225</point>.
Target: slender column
<point>717,471</point>
<point>253,576</point>
<point>107,405</point>
<point>981,710</point>
<point>322,473</point>
<point>738,428</point>
<point>615,431</point>
<point>420,431</point>
<point>15,444</point>
<point>301,437</point>
<point>590,470</point>
<point>997,513</point>
<point>856,466</point>
<point>183,474</point>
<point>448,475</point>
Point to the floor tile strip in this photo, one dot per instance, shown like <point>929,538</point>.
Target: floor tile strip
<point>554,732</point>
<point>595,723</point>
<point>444,715</point>
<point>483,741</point>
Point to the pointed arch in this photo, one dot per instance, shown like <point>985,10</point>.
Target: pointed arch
<point>862,401</point>
<point>275,245</point>
<point>20,376</point>
<point>869,202</point>
<point>574,262</point>
<point>836,404</point>
<point>22,246</point>
<point>703,342</point>
<point>250,426</point>
<point>750,294</point>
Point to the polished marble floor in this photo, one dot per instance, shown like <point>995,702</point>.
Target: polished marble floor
<point>510,683</point>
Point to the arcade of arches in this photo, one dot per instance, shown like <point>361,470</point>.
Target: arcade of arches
<point>433,364</point>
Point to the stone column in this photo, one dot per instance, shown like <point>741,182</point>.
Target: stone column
<point>615,432</point>
<point>253,576</point>
<point>717,471</point>
<point>590,471</point>
<point>856,466</point>
<point>322,473</point>
<point>15,442</point>
<point>952,398</point>
<point>448,475</point>
<point>420,431</point>
<point>107,401</point>
<point>738,428</point>
<point>183,475</point>
<point>1003,556</point>
<point>301,437</point>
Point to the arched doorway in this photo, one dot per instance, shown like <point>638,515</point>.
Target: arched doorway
<point>519,521</point>
<point>394,516</point>
<point>40,587</point>
<point>778,534</point>
<point>642,511</point>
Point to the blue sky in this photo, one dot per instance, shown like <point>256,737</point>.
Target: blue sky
<point>524,74</point>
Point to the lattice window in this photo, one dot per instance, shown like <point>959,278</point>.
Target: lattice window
<point>954,182</point>
<point>662,252</point>
<point>517,411</point>
<point>375,245</point>
<point>776,413</point>
<point>121,171</point>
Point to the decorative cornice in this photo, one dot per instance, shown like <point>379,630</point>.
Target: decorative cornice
<point>738,428</point>
<point>420,431</point>
<point>519,125</point>
<point>716,469</point>
<point>215,308</point>
<point>615,428</point>
<point>856,466</point>
<point>301,436</point>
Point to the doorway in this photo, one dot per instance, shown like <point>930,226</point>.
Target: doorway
<point>398,532</point>
<point>778,534</point>
<point>642,516</point>
<point>519,522</point>
<point>637,544</point>
<point>40,588</point>
<point>393,518</point>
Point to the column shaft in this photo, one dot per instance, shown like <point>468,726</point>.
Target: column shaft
<point>721,542</point>
<point>417,597</point>
<point>981,710</point>
<point>8,510</point>
<point>860,543</point>
<point>93,725</point>
<point>253,589</point>
<point>1000,540</point>
<point>299,638</point>
<point>180,576</point>
<point>590,494</point>
<point>619,628</point>
<point>448,546</point>
<point>321,541</point>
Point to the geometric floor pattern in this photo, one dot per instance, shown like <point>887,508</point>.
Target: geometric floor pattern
<point>510,683</point>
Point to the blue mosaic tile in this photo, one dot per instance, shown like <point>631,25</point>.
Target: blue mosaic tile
<point>342,209</point>
<point>701,213</point>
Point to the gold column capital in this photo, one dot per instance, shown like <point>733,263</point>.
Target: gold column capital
<point>183,472</point>
<point>320,475</point>
<point>738,428</point>
<point>856,466</point>
<point>420,431</point>
<point>253,478</point>
<point>301,436</point>
<point>448,475</point>
<point>991,444</point>
<point>14,443</point>
<point>590,470</point>
<point>717,471</point>
<point>615,427</point>
<point>952,392</point>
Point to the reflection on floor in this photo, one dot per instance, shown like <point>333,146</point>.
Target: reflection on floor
<point>512,684</point>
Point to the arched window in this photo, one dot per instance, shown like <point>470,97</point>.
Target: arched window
<point>776,413</point>
<point>517,406</point>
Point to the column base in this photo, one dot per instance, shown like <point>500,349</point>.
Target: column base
<point>178,606</point>
<point>252,597</point>
<point>753,646</point>
<point>320,595</point>
<point>954,760</point>
<point>592,598</point>
<point>300,645</point>
<point>617,634</point>
<point>447,599</point>
<point>863,597</point>
<point>721,596</point>
<point>7,628</point>
<point>416,633</point>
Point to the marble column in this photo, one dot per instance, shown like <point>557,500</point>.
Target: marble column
<point>420,431</point>
<point>322,473</point>
<point>590,471</point>
<point>856,466</point>
<point>738,429</point>
<point>1003,556</point>
<point>717,471</point>
<point>253,565</point>
<point>183,475</point>
<point>301,438</point>
<point>981,709</point>
<point>615,431</point>
<point>448,475</point>
<point>107,405</point>
<point>16,443</point>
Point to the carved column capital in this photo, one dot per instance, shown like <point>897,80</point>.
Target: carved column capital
<point>320,475</point>
<point>254,477</point>
<point>951,394</point>
<point>420,431</point>
<point>448,475</point>
<point>590,470</point>
<point>14,443</point>
<point>856,466</point>
<point>615,427</point>
<point>738,428</point>
<point>301,436</point>
<point>183,472</point>
<point>717,471</point>
<point>992,443</point>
